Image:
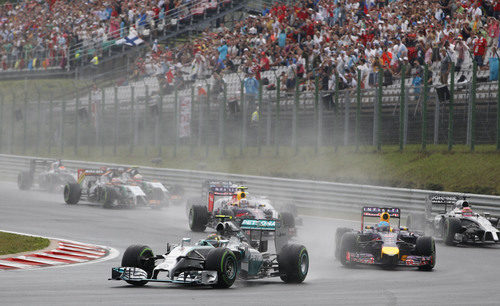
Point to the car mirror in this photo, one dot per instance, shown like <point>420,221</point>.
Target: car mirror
<point>487,215</point>
<point>185,240</point>
<point>168,248</point>
<point>368,227</point>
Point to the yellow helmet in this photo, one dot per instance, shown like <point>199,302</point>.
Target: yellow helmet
<point>385,216</point>
<point>241,195</point>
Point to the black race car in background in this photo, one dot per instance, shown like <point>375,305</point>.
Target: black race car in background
<point>384,244</point>
<point>452,219</point>
<point>48,175</point>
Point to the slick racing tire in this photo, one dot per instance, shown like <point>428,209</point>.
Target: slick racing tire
<point>347,244</point>
<point>416,222</point>
<point>451,227</point>
<point>24,180</point>
<point>338,236</point>
<point>198,218</point>
<point>224,262</point>
<point>426,246</point>
<point>110,198</point>
<point>193,202</point>
<point>287,219</point>
<point>139,256</point>
<point>72,193</point>
<point>293,261</point>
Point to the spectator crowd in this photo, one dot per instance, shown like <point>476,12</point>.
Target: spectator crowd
<point>328,39</point>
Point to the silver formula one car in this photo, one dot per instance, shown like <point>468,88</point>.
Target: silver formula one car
<point>452,219</point>
<point>221,258</point>
<point>49,175</point>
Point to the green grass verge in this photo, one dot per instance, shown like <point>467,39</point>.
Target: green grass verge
<point>435,169</point>
<point>14,243</point>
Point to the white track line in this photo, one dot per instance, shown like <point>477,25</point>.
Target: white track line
<point>14,264</point>
<point>40,260</point>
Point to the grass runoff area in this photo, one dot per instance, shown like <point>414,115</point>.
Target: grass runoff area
<point>14,243</point>
<point>435,168</point>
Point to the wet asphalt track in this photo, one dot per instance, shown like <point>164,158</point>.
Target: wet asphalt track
<point>463,275</point>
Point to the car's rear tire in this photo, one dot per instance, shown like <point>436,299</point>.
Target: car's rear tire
<point>72,193</point>
<point>224,262</point>
<point>451,227</point>
<point>425,246</point>
<point>416,222</point>
<point>338,236</point>
<point>198,218</point>
<point>24,180</point>
<point>139,256</point>
<point>347,244</point>
<point>293,261</point>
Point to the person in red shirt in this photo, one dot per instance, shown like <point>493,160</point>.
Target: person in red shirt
<point>480,45</point>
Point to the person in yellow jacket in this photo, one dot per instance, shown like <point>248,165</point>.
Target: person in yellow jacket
<point>95,60</point>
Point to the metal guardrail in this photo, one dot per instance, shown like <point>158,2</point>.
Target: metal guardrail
<point>315,196</point>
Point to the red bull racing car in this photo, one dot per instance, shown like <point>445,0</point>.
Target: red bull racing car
<point>385,244</point>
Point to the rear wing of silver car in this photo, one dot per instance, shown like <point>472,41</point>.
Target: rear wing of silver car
<point>439,203</point>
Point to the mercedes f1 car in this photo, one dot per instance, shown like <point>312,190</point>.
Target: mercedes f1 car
<point>385,245</point>
<point>225,199</point>
<point>48,175</point>
<point>451,218</point>
<point>218,260</point>
<point>105,187</point>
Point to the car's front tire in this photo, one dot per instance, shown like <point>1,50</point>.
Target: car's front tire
<point>24,180</point>
<point>347,245</point>
<point>139,256</point>
<point>425,246</point>
<point>224,262</point>
<point>451,227</point>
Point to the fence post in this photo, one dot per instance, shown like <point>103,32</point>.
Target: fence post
<point>1,121</point>
<point>498,108</point>
<point>63,110</point>
<point>191,123</point>
<point>159,128</point>
<point>358,111</point>
<point>268,119</point>
<point>259,112</point>
<point>295,116</point>
<point>101,120</point>
<point>436,121</point>
<point>379,109</point>
<point>405,128</point>
<point>207,125</point>
<point>473,107</point>
<point>133,126</point>
<point>402,109</point>
<point>176,119</point>
<point>51,121</point>
<point>145,121</point>
<point>424,107</point>
<point>335,110</point>
<point>25,121</point>
<point>77,122</point>
<point>243,119</point>
<point>277,127</point>
<point>452,101</point>
<point>38,122</point>
<point>222,126</point>
<point>12,123</point>
<point>116,121</point>
<point>316,113</point>
<point>347,105</point>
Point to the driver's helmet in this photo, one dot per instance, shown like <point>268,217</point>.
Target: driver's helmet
<point>240,195</point>
<point>467,212</point>
<point>214,239</point>
<point>115,180</point>
<point>138,177</point>
<point>383,226</point>
<point>244,203</point>
<point>62,168</point>
<point>461,204</point>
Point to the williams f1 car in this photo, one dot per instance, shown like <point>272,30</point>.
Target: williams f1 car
<point>218,260</point>
<point>48,175</point>
<point>384,245</point>
<point>225,199</point>
<point>451,218</point>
